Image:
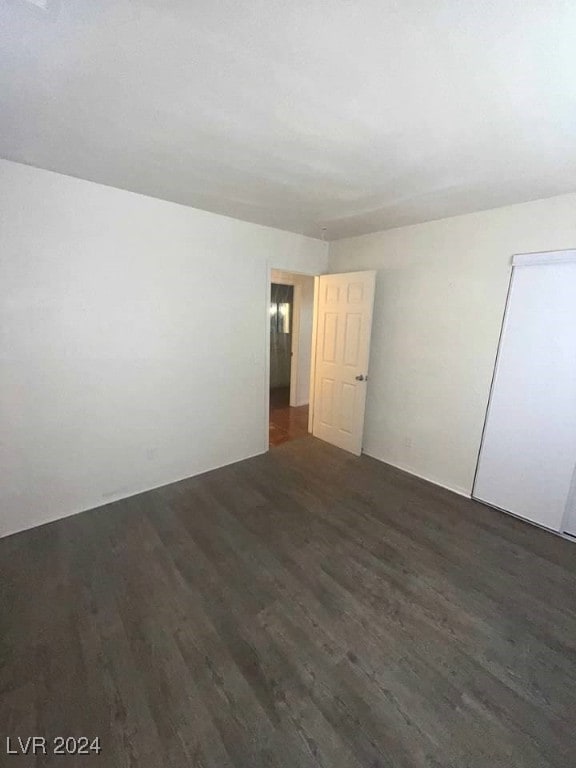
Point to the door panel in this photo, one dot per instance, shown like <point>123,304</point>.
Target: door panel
<point>327,400</point>
<point>352,339</point>
<point>332,293</point>
<point>330,337</point>
<point>355,293</point>
<point>344,322</point>
<point>347,410</point>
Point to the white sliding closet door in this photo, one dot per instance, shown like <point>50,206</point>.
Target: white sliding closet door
<point>570,525</point>
<point>528,453</point>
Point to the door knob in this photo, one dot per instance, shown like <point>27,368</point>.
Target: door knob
<point>361,378</point>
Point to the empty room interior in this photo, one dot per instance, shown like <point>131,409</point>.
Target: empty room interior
<point>288,383</point>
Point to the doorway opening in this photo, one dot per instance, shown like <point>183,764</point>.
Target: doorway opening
<point>319,349</point>
<point>291,317</point>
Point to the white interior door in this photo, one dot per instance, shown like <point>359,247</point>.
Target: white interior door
<point>528,453</point>
<point>343,327</point>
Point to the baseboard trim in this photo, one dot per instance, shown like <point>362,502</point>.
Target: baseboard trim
<point>410,471</point>
<point>121,496</point>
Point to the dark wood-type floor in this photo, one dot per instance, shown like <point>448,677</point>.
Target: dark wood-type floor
<point>286,423</point>
<point>302,608</point>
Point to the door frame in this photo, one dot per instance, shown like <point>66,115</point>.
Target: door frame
<point>313,360</point>
<point>271,267</point>
<point>295,341</point>
<point>315,331</point>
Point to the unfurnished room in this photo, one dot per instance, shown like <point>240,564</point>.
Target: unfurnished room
<point>288,383</point>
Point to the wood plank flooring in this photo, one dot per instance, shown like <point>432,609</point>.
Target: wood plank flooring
<point>303,608</point>
<point>286,422</point>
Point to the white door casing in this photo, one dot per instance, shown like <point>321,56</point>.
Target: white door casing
<point>342,351</point>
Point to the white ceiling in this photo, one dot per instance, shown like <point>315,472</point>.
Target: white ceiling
<point>353,115</point>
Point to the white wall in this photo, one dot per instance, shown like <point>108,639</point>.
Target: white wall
<point>440,297</point>
<point>133,346</point>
